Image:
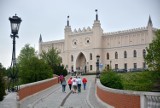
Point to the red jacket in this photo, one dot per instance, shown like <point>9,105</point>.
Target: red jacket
<point>70,81</point>
<point>84,80</point>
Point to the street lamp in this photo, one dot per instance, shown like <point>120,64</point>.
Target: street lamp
<point>97,64</point>
<point>15,24</point>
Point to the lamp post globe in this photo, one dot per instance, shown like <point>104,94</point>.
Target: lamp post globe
<point>97,64</point>
<point>13,77</point>
<point>15,24</point>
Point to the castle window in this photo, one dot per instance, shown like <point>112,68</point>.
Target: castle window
<point>125,66</point>
<point>90,56</point>
<point>144,65</point>
<point>90,67</point>
<point>87,41</point>
<point>75,43</point>
<point>125,54</point>
<point>144,53</point>
<point>135,65</point>
<point>116,66</point>
<point>134,53</point>
<point>116,55</point>
<point>107,56</point>
<point>71,58</point>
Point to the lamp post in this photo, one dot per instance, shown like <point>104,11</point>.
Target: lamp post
<point>97,64</point>
<point>15,24</point>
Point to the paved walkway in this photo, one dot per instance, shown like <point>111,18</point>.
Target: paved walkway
<point>58,99</point>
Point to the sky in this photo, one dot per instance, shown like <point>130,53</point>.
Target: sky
<point>49,17</point>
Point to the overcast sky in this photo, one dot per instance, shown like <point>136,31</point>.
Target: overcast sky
<point>48,17</point>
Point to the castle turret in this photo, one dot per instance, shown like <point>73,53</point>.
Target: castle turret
<point>40,44</point>
<point>67,32</point>
<point>40,39</point>
<point>149,22</point>
<point>150,32</point>
<point>97,31</point>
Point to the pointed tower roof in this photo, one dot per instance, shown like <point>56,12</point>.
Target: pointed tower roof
<point>40,38</point>
<point>68,20</point>
<point>150,21</point>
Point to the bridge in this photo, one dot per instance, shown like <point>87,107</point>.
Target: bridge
<point>48,94</point>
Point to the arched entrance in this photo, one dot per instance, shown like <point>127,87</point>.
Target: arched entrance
<point>81,63</point>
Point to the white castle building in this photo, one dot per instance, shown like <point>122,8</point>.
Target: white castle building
<point>119,50</point>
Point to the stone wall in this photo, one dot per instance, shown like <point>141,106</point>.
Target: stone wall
<point>127,99</point>
<point>32,88</point>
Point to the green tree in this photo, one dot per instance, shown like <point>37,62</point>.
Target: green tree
<point>31,68</point>
<point>153,53</point>
<point>2,83</point>
<point>51,58</point>
<point>60,70</point>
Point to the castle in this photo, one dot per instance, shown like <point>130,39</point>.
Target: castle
<point>117,50</point>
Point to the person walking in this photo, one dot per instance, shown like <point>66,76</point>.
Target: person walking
<point>61,78</point>
<point>74,84</point>
<point>64,85</point>
<point>84,80</point>
<point>79,83</point>
<point>70,83</point>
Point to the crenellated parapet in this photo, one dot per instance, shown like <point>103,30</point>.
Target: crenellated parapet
<point>80,31</point>
<point>126,31</point>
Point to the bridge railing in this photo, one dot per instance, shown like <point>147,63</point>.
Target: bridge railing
<point>125,98</point>
<point>32,92</point>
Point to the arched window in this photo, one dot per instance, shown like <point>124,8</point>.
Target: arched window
<point>107,56</point>
<point>116,55</point>
<point>144,53</point>
<point>90,56</point>
<point>125,54</point>
<point>71,58</point>
<point>134,53</point>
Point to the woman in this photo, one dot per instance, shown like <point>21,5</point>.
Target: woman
<point>64,85</point>
<point>70,83</point>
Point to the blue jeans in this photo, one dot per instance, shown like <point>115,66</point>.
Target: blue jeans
<point>84,86</point>
<point>63,88</point>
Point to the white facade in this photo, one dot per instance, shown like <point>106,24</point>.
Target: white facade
<point>79,48</point>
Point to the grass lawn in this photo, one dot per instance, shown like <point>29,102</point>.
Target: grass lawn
<point>139,81</point>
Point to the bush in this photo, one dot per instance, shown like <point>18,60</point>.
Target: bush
<point>2,87</point>
<point>111,79</point>
<point>139,81</point>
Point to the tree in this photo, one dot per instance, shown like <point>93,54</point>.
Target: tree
<point>153,53</point>
<point>31,68</point>
<point>60,70</point>
<point>2,83</point>
<point>51,58</point>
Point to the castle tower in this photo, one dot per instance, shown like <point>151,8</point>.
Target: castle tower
<point>40,39</point>
<point>67,32</point>
<point>150,27</point>
<point>97,34</point>
<point>40,44</point>
<point>97,31</point>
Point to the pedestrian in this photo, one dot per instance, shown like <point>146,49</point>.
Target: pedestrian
<point>64,85</point>
<point>74,84</point>
<point>79,83</point>
<point>70,83</point>
<point>61,78</point>
<point>84,80</point>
